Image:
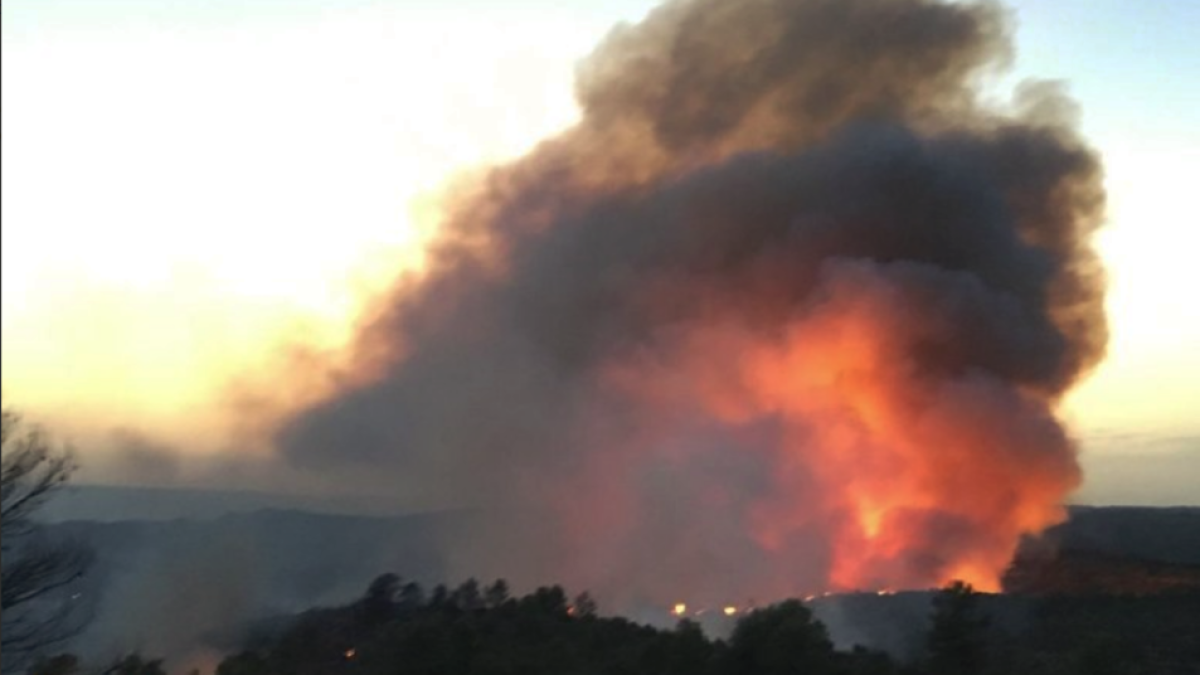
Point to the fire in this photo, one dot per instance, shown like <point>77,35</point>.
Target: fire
<point>915,479</point>
<point>730,610</point>
<point>351,653</point>
<point>718,335</point>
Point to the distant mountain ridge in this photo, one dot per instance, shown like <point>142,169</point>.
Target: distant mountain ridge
<point>1113,551</point>
<point>1165,534</point>
<point>111,503</point>
<point>164,584</point>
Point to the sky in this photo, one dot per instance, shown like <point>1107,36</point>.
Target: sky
<point>188,186</point>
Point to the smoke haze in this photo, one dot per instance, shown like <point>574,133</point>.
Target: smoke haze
<point>789,309</point>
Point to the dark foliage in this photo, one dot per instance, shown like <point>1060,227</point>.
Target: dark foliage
<point>1106,635</point>
<point>135,664</point>
<point>958,636</point>
<point>466,631</point>
<point>780,639</point>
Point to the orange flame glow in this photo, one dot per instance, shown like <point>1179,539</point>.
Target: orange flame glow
<point>918,482</point>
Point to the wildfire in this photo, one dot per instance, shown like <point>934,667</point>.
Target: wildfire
<point>860,422</point>
<point>845,343</point>
<point>730,610</point>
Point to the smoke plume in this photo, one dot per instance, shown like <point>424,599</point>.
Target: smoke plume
<point>789,309</point>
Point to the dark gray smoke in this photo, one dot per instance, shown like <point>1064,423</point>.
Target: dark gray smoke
<point>788,309</point>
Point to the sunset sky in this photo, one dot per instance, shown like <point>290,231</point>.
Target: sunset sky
<point>189,185</point>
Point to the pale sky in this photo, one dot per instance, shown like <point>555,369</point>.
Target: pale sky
<point>184,182</point>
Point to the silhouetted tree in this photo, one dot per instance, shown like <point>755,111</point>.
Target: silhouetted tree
<point>440,596</point>
<point>134,664</point>
<point>411,596</point>
<point>691,652</point>
<point>467,596</point>
<point>38,606</point>
<point>379,602</point>
<point>958,635</point>
<point>546,599</point>
<point>496,594</point>
<point>782,639</point>
<point>584,605</point>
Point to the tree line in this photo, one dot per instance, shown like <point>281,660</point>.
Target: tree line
<point>473,629</point>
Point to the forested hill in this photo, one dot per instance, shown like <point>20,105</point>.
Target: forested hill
<point>1113,551</point>
<point>166,585</point>
<point>1162,534</point>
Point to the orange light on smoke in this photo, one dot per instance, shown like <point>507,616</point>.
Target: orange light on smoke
<point>858,420</point>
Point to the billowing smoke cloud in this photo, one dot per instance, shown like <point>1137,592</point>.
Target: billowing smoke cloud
<point>788,310</point>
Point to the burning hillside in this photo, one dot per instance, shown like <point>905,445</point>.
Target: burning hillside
<point>789,309</point>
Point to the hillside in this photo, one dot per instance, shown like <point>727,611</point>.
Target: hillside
<point>166,586</point>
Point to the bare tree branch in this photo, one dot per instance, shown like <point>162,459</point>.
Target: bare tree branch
<point>37,575</point>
